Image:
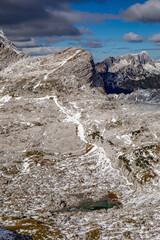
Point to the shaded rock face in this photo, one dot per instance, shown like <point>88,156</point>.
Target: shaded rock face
<point>8,52</point>
<point>6,234</point>
<point>130,72</point>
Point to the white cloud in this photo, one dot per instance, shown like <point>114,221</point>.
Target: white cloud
<point>154,38</point>
<point>132,37</point>
<point>42,50</point>
<point>146,12</point>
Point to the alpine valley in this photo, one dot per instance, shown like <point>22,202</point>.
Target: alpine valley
<point>79,158</point>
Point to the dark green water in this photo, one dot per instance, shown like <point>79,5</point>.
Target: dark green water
<point>90,205</point>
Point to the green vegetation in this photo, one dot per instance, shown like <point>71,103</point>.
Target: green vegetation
<point>126,162</point>
<point>143,158</point>
<point>97,135</point>
<point>110,142</point>
<point>136,132</point>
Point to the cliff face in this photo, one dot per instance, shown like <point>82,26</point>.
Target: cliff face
<point>129,73</point>
<point>68,152</point>
<point>8,52</point>
<point>68,71</point>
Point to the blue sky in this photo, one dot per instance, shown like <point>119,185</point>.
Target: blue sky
<point>105,28</point>
<point>117,28</point>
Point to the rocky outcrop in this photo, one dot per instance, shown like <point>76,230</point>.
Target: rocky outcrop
<point>8,52</point>
<point>129,72</point>
<point>149,96</point>
<point>68,71</point>
<point>113,64</point>
<point>6,234</point>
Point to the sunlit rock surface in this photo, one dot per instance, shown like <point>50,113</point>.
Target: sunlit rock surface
<point>64,141</point>
<point>8,52</point>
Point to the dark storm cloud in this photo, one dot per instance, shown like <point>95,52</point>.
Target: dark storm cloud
<point>22,19</point>
<point>148,12</point>
<point>92,44</point>
<point>28,43</point>
<point>89,42</point>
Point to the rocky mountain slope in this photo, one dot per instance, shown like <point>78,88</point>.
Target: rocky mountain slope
<point>69,151</point>
<point>6,234</point>
<point>8,52</point>
<point>130,72</point>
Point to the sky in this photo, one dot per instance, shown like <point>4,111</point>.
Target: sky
<point>103,27</point>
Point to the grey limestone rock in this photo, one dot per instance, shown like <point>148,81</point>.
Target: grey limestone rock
<point>129,72</point>
<point>72,70</point>
<point>112,64</point>
<point>63,142</point>
<point>6,234</point>
<point>8,52</point>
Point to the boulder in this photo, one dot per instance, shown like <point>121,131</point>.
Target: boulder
<point>6,234</point>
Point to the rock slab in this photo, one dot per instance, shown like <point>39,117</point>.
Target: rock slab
<point>6,234</point>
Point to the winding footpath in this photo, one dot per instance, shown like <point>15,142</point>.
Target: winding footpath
<point>103,162</point>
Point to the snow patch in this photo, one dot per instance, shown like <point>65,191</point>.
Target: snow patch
<point>73,118</point>
<point>26,166</point>
<point>5,99</point>
<point>125,138</point>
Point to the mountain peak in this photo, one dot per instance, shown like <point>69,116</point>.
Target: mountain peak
<point>144,52</point>
<point>8,52</point>
<point>113,64</point>
<point>1,32</point>
<point>129,72</point>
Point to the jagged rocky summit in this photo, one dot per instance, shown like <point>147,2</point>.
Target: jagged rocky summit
<point>129,72</point>
<point>76,163</point>
<point>8,52</point>
<point>67,71</point>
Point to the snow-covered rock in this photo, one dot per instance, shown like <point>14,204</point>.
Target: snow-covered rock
<point>113,64</point>
<point>63,143</point>
<point>67,71</point>
<point>129,72</point>
<point>8,52</point>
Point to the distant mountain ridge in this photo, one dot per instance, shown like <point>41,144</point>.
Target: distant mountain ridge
<point>112,64</point>
<point>120,74</point>
<point>129,72</point>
